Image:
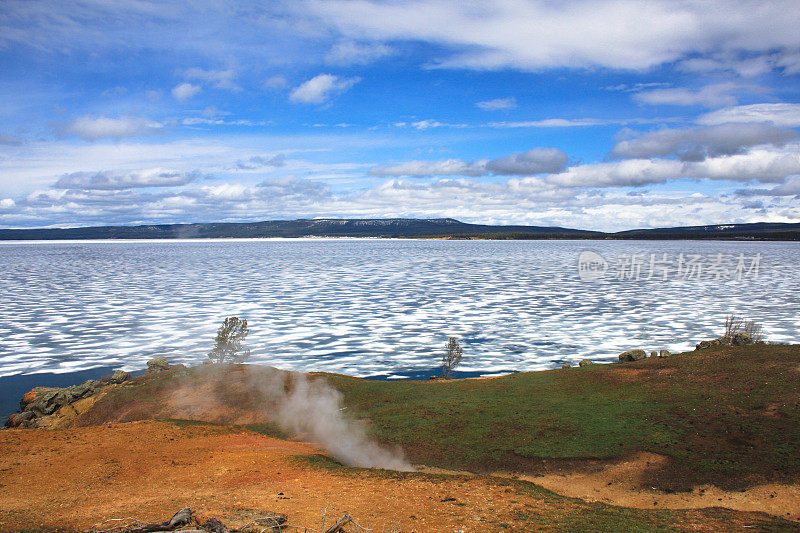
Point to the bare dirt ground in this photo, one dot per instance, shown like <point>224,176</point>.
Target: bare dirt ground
<point>79,477</point>
<point>620,484</point>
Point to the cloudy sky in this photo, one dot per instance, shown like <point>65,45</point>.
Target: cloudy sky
<point>598,115</point>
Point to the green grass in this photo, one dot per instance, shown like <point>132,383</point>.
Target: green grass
<point>181,422</point>
<point>729,417</point>
<point>269,429</point>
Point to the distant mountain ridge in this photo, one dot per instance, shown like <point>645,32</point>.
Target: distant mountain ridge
<point>778,231</point>
<point>389,227</point>
<point>397,227</point>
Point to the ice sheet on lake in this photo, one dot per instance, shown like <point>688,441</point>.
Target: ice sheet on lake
<point>368,306</point>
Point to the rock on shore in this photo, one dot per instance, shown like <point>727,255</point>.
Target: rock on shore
<point>737,339</point>
<point>632,355</point>
<point>40,406</point>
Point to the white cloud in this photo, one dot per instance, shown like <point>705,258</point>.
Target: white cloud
<point>636,87</point>
<point>38,163</point>
<point>93,128</point>
<point>10,140</point>
<point>116,180</point>
<point>115,92</point>
<point>696,144</point>
<point>716,95</point>
<point>789,62</point>
<point>789,188</point>
<point>628,173</point>
<point>783,115</point>
<point>213,112</point>
<point>348,53</point>
<point>745,65</point>
<point>579,122</point>
<point>531,35</point>
<point>529,200</point>
<point>535,161</point>
<point>498,104</point>
<point>764,164</point>
<point>769,165</point>
<point>537,34</point>
<point>259,161</point>
<point>220,79</point>
<point>293,187</point>
<point>195,121</point>
<point>419,169</point>
<point>550,123</point>
<point>431,123</point>
<point>321,88</point>
<point>220,201</point>
<point>184,91</point>
<point>275,82</point>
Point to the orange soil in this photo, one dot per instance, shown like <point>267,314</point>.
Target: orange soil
<point>79,477</point>
<point>620,484</point>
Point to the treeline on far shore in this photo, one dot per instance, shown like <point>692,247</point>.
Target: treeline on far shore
<point>646,235</point>
<point>438,228</point>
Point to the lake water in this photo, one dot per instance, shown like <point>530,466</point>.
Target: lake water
<point>381,307</point>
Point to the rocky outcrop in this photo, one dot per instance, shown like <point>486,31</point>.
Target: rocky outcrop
<point>41,404</point>
<point>585,362</point>
<point>664,353</point>
<point>631,355</point>
<point>120,376</point>
<point>737,339</point>
<point>179,369</point>
<point>47,401</point>
<point>83,390</point>
<point>20,419</point>
<point>158,364</point>
<point>42,407</point>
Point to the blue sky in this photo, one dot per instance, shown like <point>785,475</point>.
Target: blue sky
<point>599,115</point>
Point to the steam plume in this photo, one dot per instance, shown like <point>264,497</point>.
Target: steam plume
<point>313,409</point>
<point>306,409</point>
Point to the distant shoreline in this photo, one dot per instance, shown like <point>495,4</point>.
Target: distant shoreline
<point>418,238</point>
<point>399,228</point>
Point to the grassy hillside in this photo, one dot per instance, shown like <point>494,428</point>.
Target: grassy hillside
<point>730,416</point>
<point>727,416</point>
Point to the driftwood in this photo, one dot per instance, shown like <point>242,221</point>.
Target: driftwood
<point>275,522</point>
<point>212,525</point>
<point>184,518</point>
<point>180,519</point>
<point>337,527</point>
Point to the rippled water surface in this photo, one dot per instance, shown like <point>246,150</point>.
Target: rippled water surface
<point>366,306</point>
